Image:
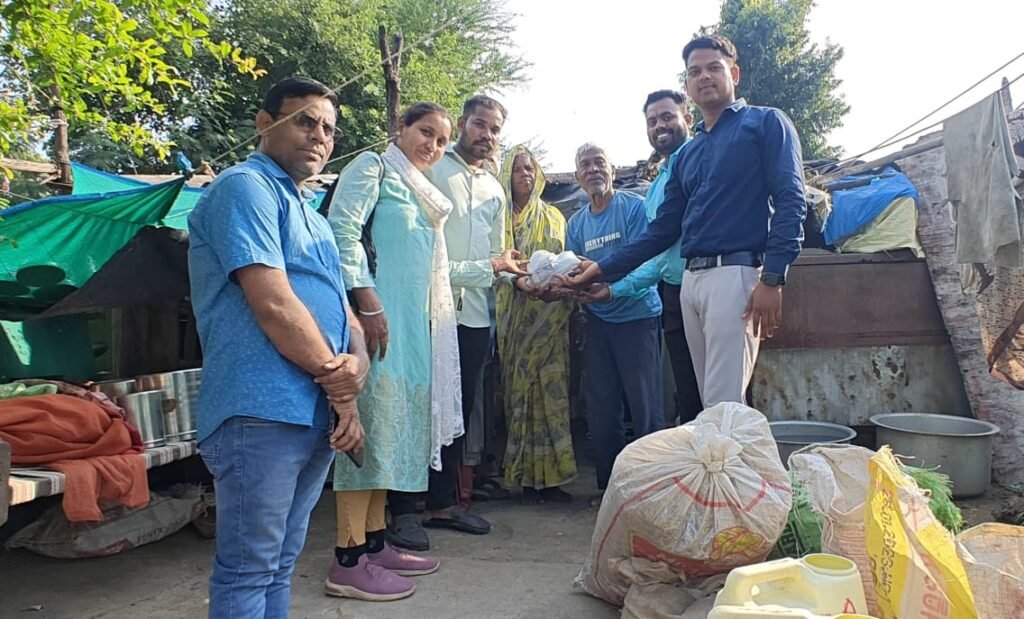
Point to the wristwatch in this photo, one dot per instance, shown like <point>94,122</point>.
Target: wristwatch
<point>773,279</point>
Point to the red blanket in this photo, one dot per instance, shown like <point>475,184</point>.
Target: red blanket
<point>93,446</point>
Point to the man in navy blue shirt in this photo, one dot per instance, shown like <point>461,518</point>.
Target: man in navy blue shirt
<point>736,193</point>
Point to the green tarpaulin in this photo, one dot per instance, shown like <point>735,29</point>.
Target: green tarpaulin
<point>90,181</point>
<point>59,243</point>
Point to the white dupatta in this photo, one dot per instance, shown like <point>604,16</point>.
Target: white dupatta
<point>445,378</point>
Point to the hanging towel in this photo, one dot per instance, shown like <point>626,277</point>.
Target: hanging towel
<point>980,168</point>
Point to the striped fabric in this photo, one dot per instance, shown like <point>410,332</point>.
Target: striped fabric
<point>28,483</point>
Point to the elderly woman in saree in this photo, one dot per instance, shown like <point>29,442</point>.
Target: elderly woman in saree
<point>411,404</point>
<point>533,342</point>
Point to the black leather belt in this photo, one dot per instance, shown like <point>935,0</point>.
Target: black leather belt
<point>740,258</point>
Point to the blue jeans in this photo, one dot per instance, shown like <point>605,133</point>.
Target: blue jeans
<point>268,477</point>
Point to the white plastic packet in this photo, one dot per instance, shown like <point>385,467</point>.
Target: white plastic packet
<point>544,265</point>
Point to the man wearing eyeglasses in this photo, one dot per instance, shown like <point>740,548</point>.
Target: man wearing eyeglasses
<point>283,356</point>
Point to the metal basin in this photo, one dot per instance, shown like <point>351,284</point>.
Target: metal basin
<point>793,435</point>
<point>145,411</point>
<point>164,383</point>
<point>959,446</point>
<point>186,391</point>
<point>181,388</point>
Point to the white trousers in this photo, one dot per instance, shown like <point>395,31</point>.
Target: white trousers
<point>721,343</point>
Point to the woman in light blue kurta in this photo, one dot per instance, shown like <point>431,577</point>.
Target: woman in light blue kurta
<point>395,404</point>
<point>395,296</point>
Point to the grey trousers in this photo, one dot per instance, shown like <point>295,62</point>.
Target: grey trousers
<point>722,344</point>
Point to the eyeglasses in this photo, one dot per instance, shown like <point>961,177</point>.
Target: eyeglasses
<point>308,124</point>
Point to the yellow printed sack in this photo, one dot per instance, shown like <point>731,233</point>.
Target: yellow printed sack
<point>914,563</point>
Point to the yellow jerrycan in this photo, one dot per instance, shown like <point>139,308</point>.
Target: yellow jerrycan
<point>818,586</point>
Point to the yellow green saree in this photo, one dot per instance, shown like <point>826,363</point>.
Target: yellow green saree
<point>533,341</point>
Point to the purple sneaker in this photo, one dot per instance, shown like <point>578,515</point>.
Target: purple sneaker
<point>367,581</point>
<point>404,563</point>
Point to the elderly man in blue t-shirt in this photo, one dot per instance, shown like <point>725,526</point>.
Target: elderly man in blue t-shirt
<point>736,194</point>
<point>277,351</point>
<point>622,351</point>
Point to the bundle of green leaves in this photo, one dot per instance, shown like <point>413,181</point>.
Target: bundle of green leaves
<point>940,496</point>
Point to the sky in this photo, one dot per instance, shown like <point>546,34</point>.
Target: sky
<point>592,68</point>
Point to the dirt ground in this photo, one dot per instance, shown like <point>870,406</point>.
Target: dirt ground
<point>986,507</point>
<point>524,569</point>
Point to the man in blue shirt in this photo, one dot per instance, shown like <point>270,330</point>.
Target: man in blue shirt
<point>736,194</point>
<point>277,350</point>
<point>622,353</point>
<point>668,117</point>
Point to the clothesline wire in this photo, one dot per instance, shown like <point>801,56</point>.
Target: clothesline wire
<point>897,135</point>
<point>444,24</point>
<point>359,150</point>
<point>916,133</point>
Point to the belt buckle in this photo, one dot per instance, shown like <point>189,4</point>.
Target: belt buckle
<point>705,262</point>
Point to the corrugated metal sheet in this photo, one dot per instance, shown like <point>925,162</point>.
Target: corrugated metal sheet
<point>848,385</point>
<point>862,334</point>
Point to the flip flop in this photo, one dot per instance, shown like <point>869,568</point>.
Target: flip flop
<point>461,520</point>
<point>492,489</point>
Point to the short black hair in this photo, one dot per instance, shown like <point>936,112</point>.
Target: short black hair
<point>416,111</point>
<point>295,86</point>
<point>712,41</point>
<point>679,98</point>
<point>483,101</point>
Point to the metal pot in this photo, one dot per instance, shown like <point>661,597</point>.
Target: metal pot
<point>163,382</point>
<point>186,392</point>
<point>791,436</point>
<point>114,388</point>
<point>146,411</point>
<point>959,446</point>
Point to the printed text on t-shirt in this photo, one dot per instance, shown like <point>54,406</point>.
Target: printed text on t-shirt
<point>599,243</point>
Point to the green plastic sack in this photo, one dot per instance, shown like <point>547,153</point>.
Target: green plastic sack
<point>802,534</point>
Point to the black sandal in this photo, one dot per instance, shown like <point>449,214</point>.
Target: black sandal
<point>490,490</point>
<point>460,520</point>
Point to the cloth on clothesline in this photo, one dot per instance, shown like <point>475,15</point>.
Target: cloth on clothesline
<point>980,168</point>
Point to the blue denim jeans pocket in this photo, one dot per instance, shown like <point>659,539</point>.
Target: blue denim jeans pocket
<point>210,448</point>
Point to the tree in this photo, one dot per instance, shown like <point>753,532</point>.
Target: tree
<point>336,42</point>
<point>780,67</point>
<point>104,64</point>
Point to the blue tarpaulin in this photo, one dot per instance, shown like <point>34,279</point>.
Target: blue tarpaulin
<point>858,206</point>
